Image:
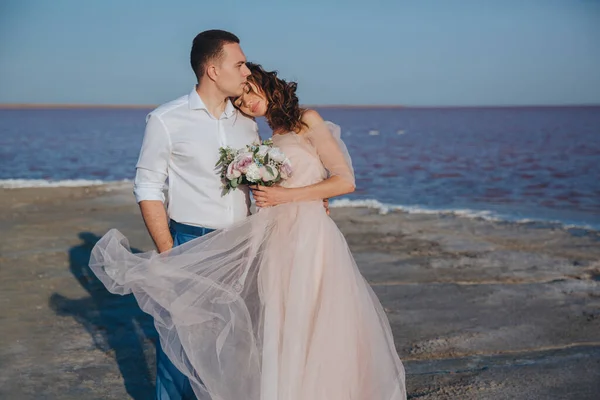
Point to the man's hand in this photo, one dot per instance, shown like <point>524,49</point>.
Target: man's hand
<point>164,246</point>
<point>326,205</point>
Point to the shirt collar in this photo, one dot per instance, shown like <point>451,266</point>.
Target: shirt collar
<point>196,103</point>
<point>229,109</point>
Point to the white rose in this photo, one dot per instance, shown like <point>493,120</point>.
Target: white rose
<point>262,151</point>
<point>276,155</point>
<point>253,172</point>
<point>266,175</point>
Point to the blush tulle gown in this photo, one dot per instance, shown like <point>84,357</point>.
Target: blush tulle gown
<point>272,308</point>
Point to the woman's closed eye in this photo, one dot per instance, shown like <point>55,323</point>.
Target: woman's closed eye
<point>239,101</point>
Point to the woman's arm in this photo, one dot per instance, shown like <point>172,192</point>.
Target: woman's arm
<point>272,196</point>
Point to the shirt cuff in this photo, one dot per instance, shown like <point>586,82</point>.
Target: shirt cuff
<point>148,191</point>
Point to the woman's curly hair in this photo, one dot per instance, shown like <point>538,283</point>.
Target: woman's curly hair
<point>283,110</point>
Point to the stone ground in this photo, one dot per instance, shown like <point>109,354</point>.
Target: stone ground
<point>479,309</point>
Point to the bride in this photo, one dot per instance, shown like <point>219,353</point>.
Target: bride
<point>274,307</point>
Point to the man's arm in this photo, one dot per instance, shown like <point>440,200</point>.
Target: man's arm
<point>151,174</point>
<point>155,218</point>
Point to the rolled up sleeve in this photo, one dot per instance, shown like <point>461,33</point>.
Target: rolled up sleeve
<point>153,163</point>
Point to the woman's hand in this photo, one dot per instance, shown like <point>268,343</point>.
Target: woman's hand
<point>270,196</point>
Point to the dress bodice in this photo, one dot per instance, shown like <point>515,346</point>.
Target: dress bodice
<point>315,155</point>
<point>307,168</point>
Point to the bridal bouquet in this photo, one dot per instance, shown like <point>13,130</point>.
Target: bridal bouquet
<point>260,164</point>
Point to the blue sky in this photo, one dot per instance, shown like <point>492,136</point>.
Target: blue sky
<point>420,52</point>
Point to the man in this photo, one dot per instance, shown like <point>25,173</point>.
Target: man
<point>181,144</point>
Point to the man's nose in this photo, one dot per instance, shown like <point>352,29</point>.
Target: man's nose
<point>246,71</point>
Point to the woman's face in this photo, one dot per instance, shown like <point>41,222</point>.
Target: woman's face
<point>253,102</point>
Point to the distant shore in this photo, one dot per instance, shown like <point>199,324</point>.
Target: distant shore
<point>324,106</point>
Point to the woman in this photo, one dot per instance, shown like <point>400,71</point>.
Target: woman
<point>273,308</point>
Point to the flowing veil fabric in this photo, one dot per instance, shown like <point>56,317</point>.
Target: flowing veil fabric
<point>272,308</point>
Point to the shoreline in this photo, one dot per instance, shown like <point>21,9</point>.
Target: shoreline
<point>478,309</point>
<point>373,204</point>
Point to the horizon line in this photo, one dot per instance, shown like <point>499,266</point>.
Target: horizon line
<point>6,106</point>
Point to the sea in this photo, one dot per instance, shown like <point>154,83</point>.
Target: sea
<point>530,165</point>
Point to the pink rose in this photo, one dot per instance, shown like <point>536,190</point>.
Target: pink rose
<point>242,161</point>
<point>232,172</point>
<point>286,169</point>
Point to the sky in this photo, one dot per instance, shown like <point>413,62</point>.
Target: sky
<point>412,53</point>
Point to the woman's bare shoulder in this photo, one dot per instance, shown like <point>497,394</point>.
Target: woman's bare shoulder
<point>312,119</point>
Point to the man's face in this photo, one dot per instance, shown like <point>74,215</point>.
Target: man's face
<point>231,70</point>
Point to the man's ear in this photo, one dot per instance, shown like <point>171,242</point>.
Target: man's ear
<point>212,72</point>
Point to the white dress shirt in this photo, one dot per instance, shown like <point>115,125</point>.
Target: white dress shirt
<point>181,146</point>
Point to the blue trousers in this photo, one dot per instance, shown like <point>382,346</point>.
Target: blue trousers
<point>171,384</point>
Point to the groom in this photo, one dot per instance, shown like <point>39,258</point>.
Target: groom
<point>181,146</point>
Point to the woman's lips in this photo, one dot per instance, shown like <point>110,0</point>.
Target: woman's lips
<point>254,107</point>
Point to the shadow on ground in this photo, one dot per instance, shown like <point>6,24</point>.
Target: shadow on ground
<point>115,323</point>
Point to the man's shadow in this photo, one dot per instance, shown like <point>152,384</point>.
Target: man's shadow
<point>115,322</point>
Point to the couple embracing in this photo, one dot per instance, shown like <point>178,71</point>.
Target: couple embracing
<point>269,306</point>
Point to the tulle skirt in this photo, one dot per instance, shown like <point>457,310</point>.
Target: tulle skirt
<point>272,308</point>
